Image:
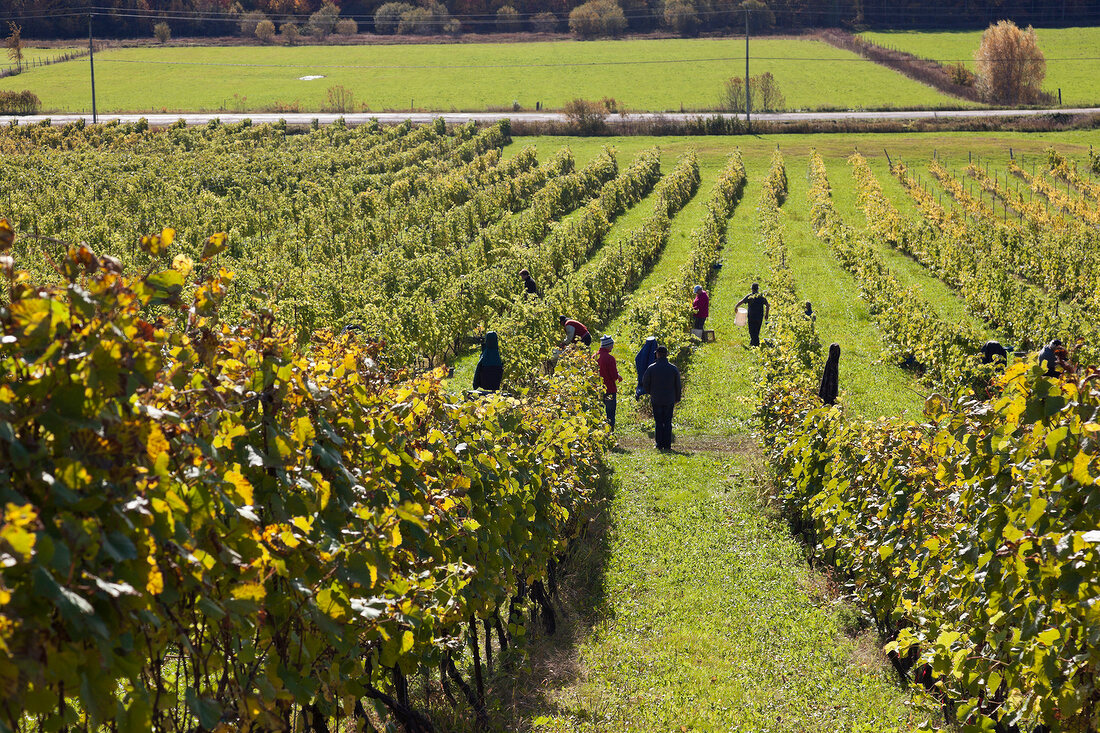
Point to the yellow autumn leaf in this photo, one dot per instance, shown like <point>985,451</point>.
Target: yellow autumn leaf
<point>155,444</point>
<point>249,592</point>
<point>183,264</point>
<point>155,583</point>
<point>240,485</point>
<point>1081,468</point>
<point>215,244</point>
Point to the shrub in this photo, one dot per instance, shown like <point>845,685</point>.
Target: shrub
<point>441,21</point>
<point>452,27</point>
<point>416,22</point>
<point>249,21</point>
<point>597,18</point>
<point>290,33</point>
<point>544,23</point>
<point>388,17</point>
<point>1010,65</point>
<point>961,75</point>
<point>508,20</point>
<point>265,31</point>
<point>347,27</point>
<point>162,32</point>
<point>733,97</point>
<point>612,106</point>
<point>681,17</point>
<point>324,19</point>
<point>766,96</point>
<point>340,99</point>
<point>586,116</point>
<point>25,102</point>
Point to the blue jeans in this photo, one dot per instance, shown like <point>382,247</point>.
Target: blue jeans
<point>662,419</point>
<point>609,401</point>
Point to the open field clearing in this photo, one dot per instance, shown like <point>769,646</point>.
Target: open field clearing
<point>258,428</point>
<point>1072,63</point>
<point>33,55</point>
<point>654,75</point>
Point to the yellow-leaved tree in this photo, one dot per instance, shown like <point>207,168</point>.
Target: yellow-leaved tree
<point>1010,65</point>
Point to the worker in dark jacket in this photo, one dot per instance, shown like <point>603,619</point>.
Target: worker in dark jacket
<point>574,331</point>
<point>700,307</point>
<point>662,382</point>
<point>993,351</point>
<point>490,367</point>
<point>529,285</point>
<point>830,378</point>
<point>1049,357</point>
<point>609,373</point>
<point>645,358</point>
<point>759,310</point>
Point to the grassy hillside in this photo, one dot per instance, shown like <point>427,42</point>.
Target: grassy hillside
<point>658,75</point>
<point>1072,64</point>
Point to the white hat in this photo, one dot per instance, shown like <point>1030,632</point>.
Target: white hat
<point>698,288</point>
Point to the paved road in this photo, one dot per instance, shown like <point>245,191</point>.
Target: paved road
<point>462,117</point>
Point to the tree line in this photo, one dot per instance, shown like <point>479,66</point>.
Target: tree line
<point>137,18</point>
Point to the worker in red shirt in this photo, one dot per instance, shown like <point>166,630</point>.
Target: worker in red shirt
<point>574,331</point>
<point>700,307</point>
<point>609,373</point>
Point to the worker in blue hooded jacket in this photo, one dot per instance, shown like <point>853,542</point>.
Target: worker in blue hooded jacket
<point>662,382</point>
<point>490,367</point>
<point>646,357</point>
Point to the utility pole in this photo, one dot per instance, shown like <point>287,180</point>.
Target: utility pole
<point>91,66</point>
<point>748,93</point>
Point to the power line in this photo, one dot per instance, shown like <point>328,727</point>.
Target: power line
<point>565,64</point>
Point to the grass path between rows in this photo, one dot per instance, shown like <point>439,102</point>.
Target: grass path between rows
<point>868,386</point>
<point>696,609</point>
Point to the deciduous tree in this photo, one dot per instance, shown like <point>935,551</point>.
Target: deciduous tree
<point>1010,65</point>
<point>14,43</point>
<point>681,18</point>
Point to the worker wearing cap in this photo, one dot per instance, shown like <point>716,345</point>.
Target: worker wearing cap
<point>609,373</point>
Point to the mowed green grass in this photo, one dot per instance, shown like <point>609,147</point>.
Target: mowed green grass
<point>1072,62</point>
<point>650,75</point>
<point>31,55</point>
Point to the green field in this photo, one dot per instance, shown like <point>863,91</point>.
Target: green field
<point>33,54</point>
<point>652,75</point>
<point>1072,65</point>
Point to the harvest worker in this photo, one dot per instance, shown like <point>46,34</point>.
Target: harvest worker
<point>993,351</point>
<point>490,367</point>
<point>759,310</point>
<point>574,331</point>
<point>529,285</point>
<point>1049,357</point>
<point>662,382</point>
<point>646,357</point>
<point>830,378</point>
<point>609,373</point>
<point>808,311</point>
<point>700,307</point>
